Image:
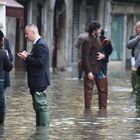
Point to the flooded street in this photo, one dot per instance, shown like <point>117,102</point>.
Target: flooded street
<point>69,120</point>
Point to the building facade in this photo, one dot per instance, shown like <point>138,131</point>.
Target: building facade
<point>61,21</point>
<point>123,17</point>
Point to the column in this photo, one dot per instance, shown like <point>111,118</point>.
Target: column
<point>3,16</point>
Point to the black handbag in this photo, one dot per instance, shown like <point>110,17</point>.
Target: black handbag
<point>138,71</point>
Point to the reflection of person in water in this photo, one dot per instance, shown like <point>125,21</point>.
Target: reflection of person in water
<point>41,133</point>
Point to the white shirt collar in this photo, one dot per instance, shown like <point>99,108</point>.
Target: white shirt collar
<point>37,39</point>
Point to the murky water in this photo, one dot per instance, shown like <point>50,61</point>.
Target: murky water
<point>69,120</point>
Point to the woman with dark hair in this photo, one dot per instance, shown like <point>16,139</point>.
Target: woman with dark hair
<point>92,56</point>
<point>5,65</point>
<point>107,49</point>
<point>6,84</point>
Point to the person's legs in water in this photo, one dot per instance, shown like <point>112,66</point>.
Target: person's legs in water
<point>101,81</point>
<point>2,105</point>
<point>80,70</point>
<point>137,91</point>
<point>40,106</point>
<point>5,97</point>
<point>88,91</point>
<point>133,81</point>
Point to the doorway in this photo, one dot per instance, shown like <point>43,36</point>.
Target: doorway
<point>117,37</point>
<point>59,35</point>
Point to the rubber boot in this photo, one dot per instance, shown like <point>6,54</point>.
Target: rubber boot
<point>103,92</point>
<point>88,91</point>
<point>42,119</point>
<point>37,119</point>
<point>2,119</point>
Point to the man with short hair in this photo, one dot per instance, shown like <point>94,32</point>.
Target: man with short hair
<point>38,74</point>
<point>91,58</point>
<point>134,45</point>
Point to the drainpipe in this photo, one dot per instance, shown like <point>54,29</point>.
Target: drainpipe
<point>104,11</point>
<point>106,21</point>
<point>3,16</point>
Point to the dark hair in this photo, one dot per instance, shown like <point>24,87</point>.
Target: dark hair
<point>1,35</point>
<point>93,27</point>
<point>102,32</point>
<point>1,39</point>
<point>138,71</point>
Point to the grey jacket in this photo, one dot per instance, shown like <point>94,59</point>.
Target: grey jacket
<point>79,43</point>
<point>135,44</point>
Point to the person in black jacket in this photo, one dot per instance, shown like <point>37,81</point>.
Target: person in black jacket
<point>6,84</point>
<point>5,65</point>
<point>107,49</point>
<point>38,74</point>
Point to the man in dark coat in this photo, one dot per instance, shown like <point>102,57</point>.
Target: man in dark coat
<point>38,74</point>
<point>91,58</point>
<point>5,66</point>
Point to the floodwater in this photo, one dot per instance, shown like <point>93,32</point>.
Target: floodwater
<point>69,120</point>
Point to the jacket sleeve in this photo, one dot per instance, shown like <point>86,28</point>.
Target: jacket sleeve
<point>110,48</point>
<point>8,48</point>
<point>132,43</point>
<point>39,56</point>
<point>85,55</point>
<point>78,43</point>
<point>137,61</point>
<point>107,48</point>
<point>7,65</point>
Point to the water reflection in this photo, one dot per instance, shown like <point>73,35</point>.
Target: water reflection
<point>102,113</point>
<point>138,102</point>
<point>2,132</point>
<point>41,133</point>
<point>69,120</point>
<point>92,124</point>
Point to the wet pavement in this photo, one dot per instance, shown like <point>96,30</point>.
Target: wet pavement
<point>69,120</point>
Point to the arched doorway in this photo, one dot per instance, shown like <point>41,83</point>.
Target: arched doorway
<point>59,35</point>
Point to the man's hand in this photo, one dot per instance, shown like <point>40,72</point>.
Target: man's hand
<point>23,55</point>
<point>90,76</point>
<point>134,69</point>
<point>100,56</point>
<point>105,42</point>
<point>139,36</point>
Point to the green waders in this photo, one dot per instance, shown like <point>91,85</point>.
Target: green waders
<point>137,89</point>
<point>40,106</point>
